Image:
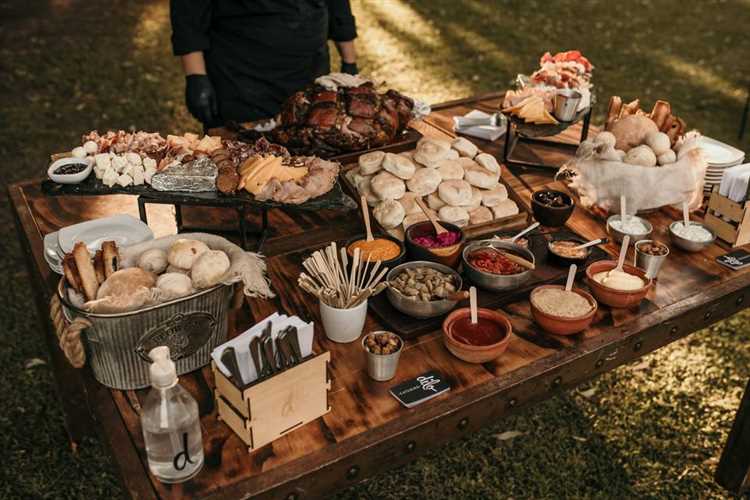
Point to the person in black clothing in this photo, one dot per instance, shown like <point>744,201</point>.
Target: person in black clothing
<point>242,58</point>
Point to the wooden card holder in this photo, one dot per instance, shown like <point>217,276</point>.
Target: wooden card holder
<point>266,410</point>
<point>728,219</point>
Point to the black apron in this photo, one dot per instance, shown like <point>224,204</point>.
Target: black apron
<point>264,51</point>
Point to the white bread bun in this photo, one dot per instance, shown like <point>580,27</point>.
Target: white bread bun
<point>389,213</point>
<point>430,151</point>
<point>495,196</point>
<point>641,155</point>
<point>505,209</point>
<point>174,285</point>
<point>480,215</point>
<point>398,165</point>
<point>488,161</point>
<point>658,142</point>
<point>387,186</point>
<point>126,282</point>
<point>209,269</point>
<point>424,181</point>
<point>153,260</point>
<point>455,192</point>
<point>464,147</point>
<point>481,177</point>
<point>370,163</point>
<point>434,201</point>
<point>455,215</point>
<point>408,201</point>
<point>450,169</point>
<point>412,219</point>
<point>183,252</point>
<point>666,158</point>
<point>452,154</point>
<point>476,199</point>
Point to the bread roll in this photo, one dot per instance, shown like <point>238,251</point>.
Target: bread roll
<point>434,201</point>
<point>455,192</point>
<point>480,215</point>
<point>452,154</point>
<point>450,169</point>
<point>174,285</point>
<point>398,165</point>
<point>389,213</point>
<point>387,186</point>
<point>183,252</point>
<point>174,269</point>
<point>424,181</point>
<point>475,201</point>
<point>412,219</point>
<point>495,196</point>
<point>455,215</point>
<point>505,209</point>
<point>371,163</point>
<point>110,257</point>
<point>153,261</point>
<point>466,162</point>
<point>99,267</point>
<point>487,161</point>
<point>86,272</point>
<point>631,131</point>
<point>209,269</point>
<point>365,189</point>
<point>464,147</point>
<point>430,151</point>
<point>658,142</point>
<point>126,282</point>
<point>481,177</point>
<point>410,205</point>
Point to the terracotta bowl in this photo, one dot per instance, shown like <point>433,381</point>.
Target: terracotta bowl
<point>560,325</point>
<point>448,256</point>
<point>473,353</point>
<point>611,296</point>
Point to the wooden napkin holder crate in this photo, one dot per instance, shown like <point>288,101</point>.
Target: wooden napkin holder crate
<point>266,410</point>
<point>728,219</point>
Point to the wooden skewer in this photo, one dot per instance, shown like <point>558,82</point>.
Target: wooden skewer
<point>439,229</point>
<point>366,217</point>
<point>514,258</point>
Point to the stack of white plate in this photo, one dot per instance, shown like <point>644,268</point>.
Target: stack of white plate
<point>720,156</point>
<point>122,229</point>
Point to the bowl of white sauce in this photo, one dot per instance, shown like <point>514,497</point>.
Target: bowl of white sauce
<point>636,227</point>
<point>692,238</point>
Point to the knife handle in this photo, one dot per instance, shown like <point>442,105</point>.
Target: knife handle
<point>268,348</point>
<point>255,355</point>
<point>229,358</point>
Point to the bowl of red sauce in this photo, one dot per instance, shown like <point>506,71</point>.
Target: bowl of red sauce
<point>486,265</point>
<point>423,243</point>
<point>480,342</point>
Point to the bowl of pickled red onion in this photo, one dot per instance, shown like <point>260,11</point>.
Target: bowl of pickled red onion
<point>423,243</point>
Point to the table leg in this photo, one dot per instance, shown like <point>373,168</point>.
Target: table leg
<point>733,472</point>
<point>142,210</point>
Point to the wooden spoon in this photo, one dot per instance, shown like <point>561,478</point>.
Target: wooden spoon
<point>366,217</point>
<point>473,304</point>
<point>513,257</point>
<point>527,230</point>
<point>685,214</point>
<point>439,229</point>
<point>571,277</point>
<point>590,243</point>
<point>623,252</point>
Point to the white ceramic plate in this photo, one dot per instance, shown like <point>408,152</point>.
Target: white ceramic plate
<point>719,154</point>
<point>122,229</point>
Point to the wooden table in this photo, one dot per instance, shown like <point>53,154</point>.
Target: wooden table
<point>367,431</point>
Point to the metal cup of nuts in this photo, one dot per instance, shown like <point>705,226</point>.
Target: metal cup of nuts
<point>382,350</point>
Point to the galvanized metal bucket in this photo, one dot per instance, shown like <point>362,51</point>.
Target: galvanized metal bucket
<point>117,345</point>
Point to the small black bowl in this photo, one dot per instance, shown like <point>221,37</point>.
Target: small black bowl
<point>567,261</point>
<point>439,255</point>
<point>548,215</point>
<point>386,263</point>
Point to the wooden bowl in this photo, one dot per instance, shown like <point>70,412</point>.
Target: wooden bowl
<point>560,325</point>
<point>474,353</point>
<point>448,256</point>
<point>611,296</point>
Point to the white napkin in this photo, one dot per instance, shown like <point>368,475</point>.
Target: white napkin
<point>241,343</point>
<point>485,132</point>
<point>734,182</point>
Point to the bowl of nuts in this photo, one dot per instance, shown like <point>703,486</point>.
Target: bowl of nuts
<point>424,289</point>
<point>382,350</point>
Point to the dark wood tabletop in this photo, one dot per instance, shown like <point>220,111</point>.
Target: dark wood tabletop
<point>367,431</point>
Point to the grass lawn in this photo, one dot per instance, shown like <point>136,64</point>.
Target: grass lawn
<point>653,429</point>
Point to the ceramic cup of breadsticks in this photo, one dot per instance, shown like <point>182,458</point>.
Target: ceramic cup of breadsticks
<point>459,183</point>
<point>650,158</point>
<point>342,286</point>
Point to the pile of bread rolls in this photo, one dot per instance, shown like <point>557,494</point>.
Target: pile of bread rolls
<point>457,181</point>
<point>159,276</point>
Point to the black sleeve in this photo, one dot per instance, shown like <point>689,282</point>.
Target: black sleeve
<point>191,21</point>
<point>341,25</point>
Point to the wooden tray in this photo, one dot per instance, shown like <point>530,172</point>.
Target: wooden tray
<point>546,272</point>
<point>472,230</point>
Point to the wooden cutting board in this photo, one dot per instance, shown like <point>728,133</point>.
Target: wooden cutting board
<point>546,272</point>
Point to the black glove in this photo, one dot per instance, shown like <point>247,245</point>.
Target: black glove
<point>350,68</point>
<point>200,98</point>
